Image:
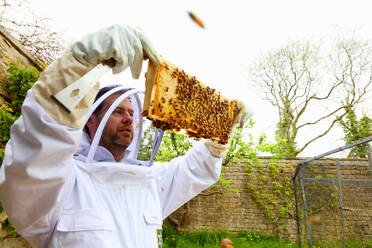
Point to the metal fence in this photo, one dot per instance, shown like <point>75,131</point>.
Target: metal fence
<point>333,199</point>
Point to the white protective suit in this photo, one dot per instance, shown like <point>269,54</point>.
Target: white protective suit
<point>55,198</point>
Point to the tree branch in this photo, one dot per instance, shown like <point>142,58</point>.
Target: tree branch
<point>322,134</point>
<point>322,118</point>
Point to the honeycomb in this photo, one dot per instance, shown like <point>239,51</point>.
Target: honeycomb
<point>175,100</point>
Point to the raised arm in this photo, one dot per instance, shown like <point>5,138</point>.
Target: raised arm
<point>37,173</point>
<point>184,177</point>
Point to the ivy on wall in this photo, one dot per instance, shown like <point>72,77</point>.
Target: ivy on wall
<point>269,185</point>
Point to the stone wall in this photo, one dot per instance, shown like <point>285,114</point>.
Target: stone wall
<point>212,210</point>
<point>238,211</point>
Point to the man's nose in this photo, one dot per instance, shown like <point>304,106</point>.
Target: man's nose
<point>127,118</point>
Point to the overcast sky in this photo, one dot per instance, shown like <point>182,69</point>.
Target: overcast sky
<point>236,33</point>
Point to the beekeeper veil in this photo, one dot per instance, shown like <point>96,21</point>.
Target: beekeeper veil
<point>89,147</point>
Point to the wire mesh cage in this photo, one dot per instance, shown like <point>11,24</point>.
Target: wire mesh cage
<point>333,200</point>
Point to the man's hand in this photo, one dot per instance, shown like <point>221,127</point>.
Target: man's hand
<point>118,46</point>
<point>217,150</point>
<point>242,117</point>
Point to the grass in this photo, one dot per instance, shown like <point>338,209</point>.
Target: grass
<point>349,243</point>
<point>207,239</point>
<point>243,239</point>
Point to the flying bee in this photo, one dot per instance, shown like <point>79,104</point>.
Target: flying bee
<point>196,19</point>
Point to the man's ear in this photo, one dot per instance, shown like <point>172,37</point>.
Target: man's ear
<point>92,125</point>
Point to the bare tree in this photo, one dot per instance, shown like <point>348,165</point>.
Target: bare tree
<point>34,32</point>
<point>309,89</point>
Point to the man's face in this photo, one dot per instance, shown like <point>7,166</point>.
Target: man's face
<point>118,132</point>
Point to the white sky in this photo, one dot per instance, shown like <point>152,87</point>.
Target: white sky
<point>236,32</point>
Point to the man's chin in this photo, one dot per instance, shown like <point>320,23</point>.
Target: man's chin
<point>124,141</point>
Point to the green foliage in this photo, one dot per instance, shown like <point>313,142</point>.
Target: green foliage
<point>177,144</point>
<point>276,149</point>
<point>145,149</point>
<point>286,131</point>
<point>21,80</point>
<point>173,145</point>
<point>243,239</point>
<point>208,239</point>
<point>7,117</point>
<point>355,130</point>
<point>7,224</point>
<point>239,147</point>
<point>268,186</point>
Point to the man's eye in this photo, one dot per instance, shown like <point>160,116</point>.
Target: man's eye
<point>117,112</point>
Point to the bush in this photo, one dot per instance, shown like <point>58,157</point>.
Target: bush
<point>22,80</point>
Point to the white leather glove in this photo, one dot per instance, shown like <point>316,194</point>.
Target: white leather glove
<point>119,46</point>
<point>219,150</point>
<point>242,117</point>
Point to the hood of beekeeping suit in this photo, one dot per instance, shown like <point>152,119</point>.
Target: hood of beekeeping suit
<point>89,149</point>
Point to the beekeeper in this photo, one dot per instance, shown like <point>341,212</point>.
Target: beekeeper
<point>56,197</point>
